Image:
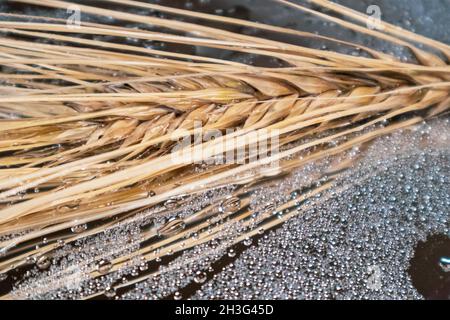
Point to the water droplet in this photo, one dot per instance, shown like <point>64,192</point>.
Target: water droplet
<point>230,205</point>
<point>219,12</point>
<point>79,228</point>
<point>200,277</point>
<point>43,262</point>
<point>444,262</point>
<point>171,203</point>
<point>231,253</point>
<point>248,242</point>
<point>110,292</point>
<point>270,207</point>
<point>3,276</point>
<point>104,266</point>
<point>177,296</point>
<point>294,195</point>
<point>173,226</point>
<point>68,207</point>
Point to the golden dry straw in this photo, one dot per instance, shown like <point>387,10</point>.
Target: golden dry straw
<point>88,127</point>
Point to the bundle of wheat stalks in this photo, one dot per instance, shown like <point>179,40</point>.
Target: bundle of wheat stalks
<point>88,127</point>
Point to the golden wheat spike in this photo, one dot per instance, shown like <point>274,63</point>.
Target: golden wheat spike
<point>97,141</point>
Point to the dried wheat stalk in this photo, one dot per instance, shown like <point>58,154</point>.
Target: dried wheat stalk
<point>96,141</point>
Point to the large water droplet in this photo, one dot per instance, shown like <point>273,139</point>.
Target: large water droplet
<point>231,253</point>
<point>43,262</point>
<point>270,207</point>
<point>444,262</point>
<point>171,203</point>
<point>230,205</point>
<point>103,266</point>
<point>110,292</point>
<point>68,207</point>
<point>173,226</point>
<point>79,228</point>
<point>177,296</point>
<point>200,277</point>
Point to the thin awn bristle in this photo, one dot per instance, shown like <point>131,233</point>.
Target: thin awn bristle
<point>95,144</point>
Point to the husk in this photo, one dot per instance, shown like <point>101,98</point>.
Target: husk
<point>117,109</point>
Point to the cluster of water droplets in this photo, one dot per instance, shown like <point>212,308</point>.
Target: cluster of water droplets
<point>358,243</point>
<point>333,248</point>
